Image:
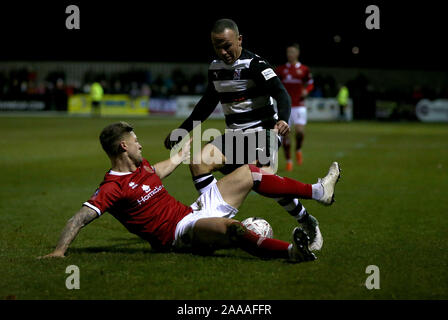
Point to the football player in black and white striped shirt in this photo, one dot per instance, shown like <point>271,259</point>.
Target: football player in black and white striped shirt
<point>245,85</point>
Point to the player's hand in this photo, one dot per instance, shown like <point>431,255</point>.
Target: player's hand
<point>54,254</point>
<point>304,93</point>
<point>183,154</point>
<point>282,128</point>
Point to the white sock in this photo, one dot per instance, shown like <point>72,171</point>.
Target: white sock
<point>290,252</point>
<point>318,191</point>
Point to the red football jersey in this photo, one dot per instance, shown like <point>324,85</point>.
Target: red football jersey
<point>295,78</point>
<point>141,203</point>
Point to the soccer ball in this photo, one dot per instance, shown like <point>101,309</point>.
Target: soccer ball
<point>259,226</point>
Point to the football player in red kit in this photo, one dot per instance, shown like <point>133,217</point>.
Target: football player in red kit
<point>132,191</point>
<point>298,81</point>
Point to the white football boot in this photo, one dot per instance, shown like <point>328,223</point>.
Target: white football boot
<point>328,183</point>
<point>311,227</point>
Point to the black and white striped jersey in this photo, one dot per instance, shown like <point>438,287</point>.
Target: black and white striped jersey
<point>240,91</point>
<point>246,90</point>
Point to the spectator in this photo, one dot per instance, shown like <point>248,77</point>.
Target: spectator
<point>96,96</point>
<point>117,87</point>
<point>342,97</point>
<point>180,83</point>
<point>134,92</point>
<point>146,90</point>
<point>60,96</point>
<point>198,83</point>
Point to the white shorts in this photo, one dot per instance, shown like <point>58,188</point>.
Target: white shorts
<point>210,204</point>
<point>298,116</point>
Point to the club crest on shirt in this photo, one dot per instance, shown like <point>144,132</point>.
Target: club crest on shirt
<point>133,185</point>
<point>96,193</point>
<point>237,74</point>
<point>149,169</point>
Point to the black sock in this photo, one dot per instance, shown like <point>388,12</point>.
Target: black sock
<point>294,208</point>
<point>203,181</point>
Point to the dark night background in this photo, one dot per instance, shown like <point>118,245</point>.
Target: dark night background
<point>412,35</point>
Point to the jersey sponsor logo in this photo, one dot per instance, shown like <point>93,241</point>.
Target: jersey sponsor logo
<point>149,193</point>
<point>268,73</point>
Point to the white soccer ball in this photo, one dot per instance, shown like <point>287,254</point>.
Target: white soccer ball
<point>259,226</point>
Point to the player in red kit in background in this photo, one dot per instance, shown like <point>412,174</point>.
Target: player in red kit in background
<point>298,81</point>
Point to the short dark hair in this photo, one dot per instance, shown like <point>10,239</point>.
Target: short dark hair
<point>222,24</point>
<point>294,45</point>
<point>112,134</point>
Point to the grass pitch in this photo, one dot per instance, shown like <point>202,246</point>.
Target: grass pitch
<point>391,211</point>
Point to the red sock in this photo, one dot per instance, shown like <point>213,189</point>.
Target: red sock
<point>259,246</point>
<point>274,186</point>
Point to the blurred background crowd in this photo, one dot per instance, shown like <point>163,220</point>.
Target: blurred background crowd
<point>54,87</point>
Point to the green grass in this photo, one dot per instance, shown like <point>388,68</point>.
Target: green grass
<point>391,210</point>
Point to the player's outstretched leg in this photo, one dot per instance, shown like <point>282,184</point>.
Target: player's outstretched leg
<point>235,187</point>
<point>274,186</point>
<point>323,192</point>
<point>267,248</point>
<point>219,233</point>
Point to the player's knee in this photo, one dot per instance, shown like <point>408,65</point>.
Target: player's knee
<point>244,176</point>
<point>234,230</point>
<point>200,168</point>
<point>197,166</point>
<point>300,131</point>
<point>208,160</point>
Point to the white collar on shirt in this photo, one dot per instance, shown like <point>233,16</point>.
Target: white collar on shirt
<point>116,173</point>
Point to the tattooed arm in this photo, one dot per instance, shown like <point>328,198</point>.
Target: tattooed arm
<point>83,217</point>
